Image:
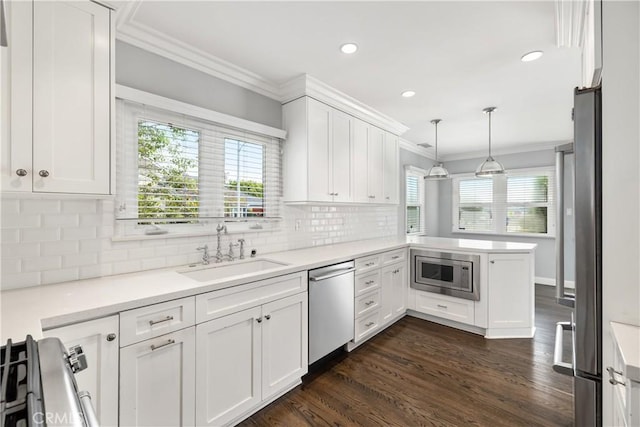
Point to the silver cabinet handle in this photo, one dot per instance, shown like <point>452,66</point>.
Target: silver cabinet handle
<point>612,377</point>
<point>21,172</point>
<point>169,342</point>
<point>395,257</point>
<point>43,173</point>
<point>442,306</point>
<point>369,264</point>
<point>387,197</point>
<point>111,337</point>
<point>369,282</point>
<point>259,320</point>
<point>155,322</point>
<point>267,316</point>
<point>368,303</point>
<point>335,194</point>
<point>492,262</point>
<point>370,324</point>
<point>333,274</point>
<point>558,365</point>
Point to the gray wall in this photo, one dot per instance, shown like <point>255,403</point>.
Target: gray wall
<point>545,262</point>
<point>409,158</point>
<point>143,70</point>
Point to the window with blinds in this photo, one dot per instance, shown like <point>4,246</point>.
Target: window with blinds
<point>520,203</point>
<point>175,169</point>
<point>414,201</point>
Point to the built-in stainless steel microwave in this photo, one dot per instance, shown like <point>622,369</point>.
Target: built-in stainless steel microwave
<point>445,273</point>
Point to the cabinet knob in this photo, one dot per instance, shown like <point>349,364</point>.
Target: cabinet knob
<point>492,262</point>
<point>268,316</point>
<point>111,337</point>
<point>259,320</point>
<point>43,173</point>
<point>21,172</point>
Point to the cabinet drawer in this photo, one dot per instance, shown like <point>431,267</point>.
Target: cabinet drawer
<point>367,282</point>
<point>216,304</point>
<point>457,309</point>
<point>367,263</point>
<point>367,303</point>
<point>367,325</point>
<point>394,256</point>
<point>155,320</point>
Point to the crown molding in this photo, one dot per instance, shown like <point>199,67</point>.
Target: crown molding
<point>524,148</point>
<point>306,85</point>
<point>144,37</point>
<point>414,148</point>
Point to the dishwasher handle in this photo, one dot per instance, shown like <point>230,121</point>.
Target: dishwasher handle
<point>332,274</point>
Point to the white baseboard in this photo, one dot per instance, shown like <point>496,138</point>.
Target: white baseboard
<point>552,282</point>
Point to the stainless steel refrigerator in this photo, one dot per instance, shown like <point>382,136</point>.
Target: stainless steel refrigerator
<point>585,325</point>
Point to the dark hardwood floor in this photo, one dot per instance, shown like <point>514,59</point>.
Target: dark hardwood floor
<point>417,373</point>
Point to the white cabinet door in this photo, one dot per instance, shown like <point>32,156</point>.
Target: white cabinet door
<point>284,343</point>
<point>71,97</point>
<point>228,367</point>
<point>511,290</point>
<point>387,275</point>
<point>341,156</point>
<point>99,341</point>
<point>400,290</point>
<point>319,152</point>
<point>17,98</point>
<point>359,162</point>
<point>157,381</point>
<point>391,178</point>
<point>375,164</point>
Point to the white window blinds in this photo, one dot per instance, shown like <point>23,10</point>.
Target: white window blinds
<point>521,202</point>
<point>414,185</point>
<point>177,169</point>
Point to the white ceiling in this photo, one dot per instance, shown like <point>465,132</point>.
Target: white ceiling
<point>458,56</point>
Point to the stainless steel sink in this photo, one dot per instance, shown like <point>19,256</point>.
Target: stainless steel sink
<point>206,273</point>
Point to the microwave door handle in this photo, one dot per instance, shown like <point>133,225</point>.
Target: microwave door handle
<point>561,297</point>
<point>558,365</point>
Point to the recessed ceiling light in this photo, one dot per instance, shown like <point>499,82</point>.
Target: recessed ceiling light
<point>408,93</point>
<point>349,48</point>
<point>531,56</point>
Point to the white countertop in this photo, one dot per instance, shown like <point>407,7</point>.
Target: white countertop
<point>30,310</point>
<point>627,337</point>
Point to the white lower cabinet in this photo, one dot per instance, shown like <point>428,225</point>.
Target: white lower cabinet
<point>394,291</point>
<point>99,340</point>
<point>157,381</point>
<point>246,358</point>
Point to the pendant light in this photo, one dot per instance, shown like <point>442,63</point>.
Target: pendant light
<point>437,171</point>
<point>490,166</point>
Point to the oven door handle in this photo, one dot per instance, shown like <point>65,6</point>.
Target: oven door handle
<point>558,365</point>
<point>87,409</point>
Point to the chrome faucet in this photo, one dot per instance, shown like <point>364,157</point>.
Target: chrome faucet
<point>231,255</point>
<point>219,229</point>
<point>205,254</point>
<point>241,242</point>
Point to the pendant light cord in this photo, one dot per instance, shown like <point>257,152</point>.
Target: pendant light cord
<point>436,142</point>
<point>489,133</point>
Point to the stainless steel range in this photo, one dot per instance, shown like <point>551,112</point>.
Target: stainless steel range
<point>446,273</point>
<point>38,387</point>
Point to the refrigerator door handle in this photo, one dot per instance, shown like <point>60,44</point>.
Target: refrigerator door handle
<point>561,297</point>
<point>558,365</point>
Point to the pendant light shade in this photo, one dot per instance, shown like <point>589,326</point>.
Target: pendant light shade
<point>490,166</point>
<point>437,171</point>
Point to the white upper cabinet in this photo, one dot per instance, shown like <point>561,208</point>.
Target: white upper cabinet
<point>331,156</point>
<point>59,76</point>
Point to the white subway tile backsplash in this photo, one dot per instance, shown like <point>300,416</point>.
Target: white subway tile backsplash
<point>40,205</point>
<point>42,263</point>
<point>11,265</point>
<point>10,206</point>
<point>10,236</point>
<point>78,233</point>
<point>57,276</point>
<point>97,270</point>
<point>79,259</point>
<point>59,247</point>
<point>113,255</point>
<point>80,206</point>
<point>126,267</point>
<point>20,280</point>
<point>42,234</point>
<point>68,220</point>
<point>20,221</point>
<point>152,263</point>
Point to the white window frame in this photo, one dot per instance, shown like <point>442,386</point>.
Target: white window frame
<point>184,115</point>
<point>420,173</point>
<point>499,205</point>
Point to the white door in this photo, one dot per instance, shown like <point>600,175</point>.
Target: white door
<point>17,106</point>
<point>359,162</point>
<point>400,290</point>
<point>228,366</point>
<point>157,381</point>
<point>511,294</point>
<point>387,277</point>
<point>284,343</point>
<point>71,97</point>
<point>99,341</point>
<point>391,179</point>
<point>319,140</point>
<point>341,156</point>
<point>375,165</point>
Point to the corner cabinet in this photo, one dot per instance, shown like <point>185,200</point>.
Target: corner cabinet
<point>57,75</point>
<point>331,156</point>
<point>100,341</point>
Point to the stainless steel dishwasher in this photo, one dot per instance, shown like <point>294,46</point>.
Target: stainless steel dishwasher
<point>331,308</point>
